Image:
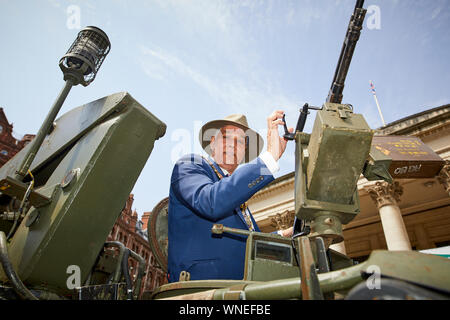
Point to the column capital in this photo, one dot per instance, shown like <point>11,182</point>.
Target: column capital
<point>282,220</point>
<point>444,177</point>
<point>384,193</point>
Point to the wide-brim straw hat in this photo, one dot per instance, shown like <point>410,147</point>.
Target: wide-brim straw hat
<point>255,141</point>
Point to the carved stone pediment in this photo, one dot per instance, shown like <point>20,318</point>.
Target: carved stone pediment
<point>282,220</point>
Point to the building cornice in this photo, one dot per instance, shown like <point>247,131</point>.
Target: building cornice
<point>277,185</point>
<point>419,208</point>
<point>418,123</point>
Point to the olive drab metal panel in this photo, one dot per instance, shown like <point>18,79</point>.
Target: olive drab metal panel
<point>87,166</point>
<point>338,148</point>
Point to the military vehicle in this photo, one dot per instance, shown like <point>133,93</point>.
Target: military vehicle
<point>62,193</point>
<point>328,164</point>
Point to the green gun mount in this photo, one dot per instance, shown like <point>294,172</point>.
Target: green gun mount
<point>269,259</point>
<point>328,165</point>
<point>269,256</point>
<point>329,162</point>
<point>83,173</point>
<point>277,269</point>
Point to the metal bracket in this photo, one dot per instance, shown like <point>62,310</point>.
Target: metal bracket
<point>235,292</point>
<point>310,285</point>
<point>15,188</point>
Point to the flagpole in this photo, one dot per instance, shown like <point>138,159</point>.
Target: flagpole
<point>376,101</point>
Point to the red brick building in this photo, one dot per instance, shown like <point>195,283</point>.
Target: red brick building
<point>132,232</point>
<point>9,145</point>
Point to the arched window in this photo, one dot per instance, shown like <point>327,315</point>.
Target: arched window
<point>4,152</point>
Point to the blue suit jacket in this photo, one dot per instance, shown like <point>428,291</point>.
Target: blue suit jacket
<point>197,200</point>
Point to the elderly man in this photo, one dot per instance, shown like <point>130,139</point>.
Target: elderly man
<point>205,191</point>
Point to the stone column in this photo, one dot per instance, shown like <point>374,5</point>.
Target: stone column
<point>386,196</point>
<point>444,177</point>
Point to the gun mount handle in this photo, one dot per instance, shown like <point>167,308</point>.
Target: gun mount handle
<point>300,122</point>
<point>219,229</point>
<point>287,135</point>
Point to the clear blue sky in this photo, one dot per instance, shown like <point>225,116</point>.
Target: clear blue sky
<point>189,62</point>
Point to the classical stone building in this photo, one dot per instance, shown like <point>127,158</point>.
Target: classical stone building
<point>132,232</point>
<point>408,214</point>
<point>9,145</point>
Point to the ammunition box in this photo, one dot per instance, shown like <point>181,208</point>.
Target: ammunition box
<point>411,158</point>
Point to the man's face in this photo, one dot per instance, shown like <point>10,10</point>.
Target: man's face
<point>228,146</point>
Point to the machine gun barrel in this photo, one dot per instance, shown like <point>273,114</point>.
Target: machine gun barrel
<point>348,47</point>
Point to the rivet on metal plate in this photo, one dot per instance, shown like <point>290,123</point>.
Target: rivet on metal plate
<point>69,177</point>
